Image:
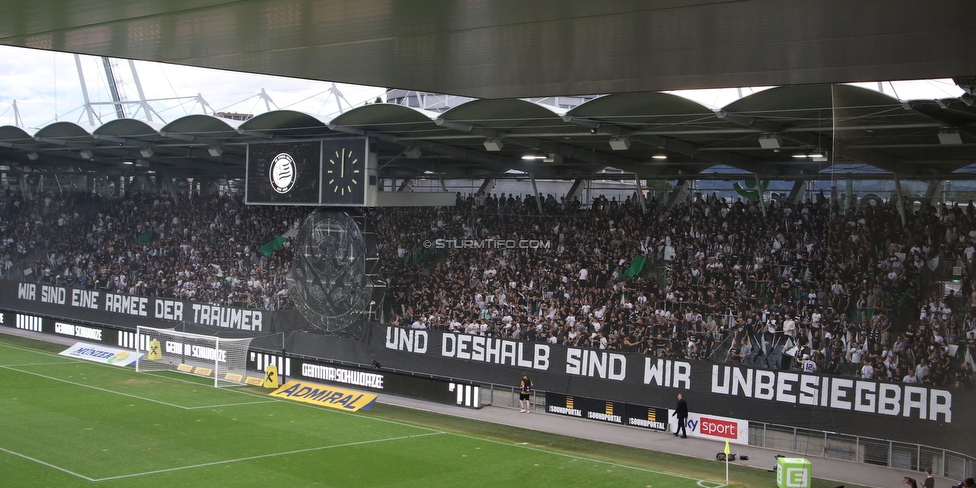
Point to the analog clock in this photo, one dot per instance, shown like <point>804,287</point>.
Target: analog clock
<point>344,172</point>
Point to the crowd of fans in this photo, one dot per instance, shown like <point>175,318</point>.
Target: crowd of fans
<point>204,250</point>
<point>788,286</point>
<point>804,286</point>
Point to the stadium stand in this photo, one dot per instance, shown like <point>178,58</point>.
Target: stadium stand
<point>711,279</point>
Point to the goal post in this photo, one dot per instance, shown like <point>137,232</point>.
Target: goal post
<point>225,360</point>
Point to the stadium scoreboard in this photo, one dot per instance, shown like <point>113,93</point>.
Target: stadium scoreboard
<point>326,172</point>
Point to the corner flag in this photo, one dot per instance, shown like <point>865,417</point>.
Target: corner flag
<point>727,452</point>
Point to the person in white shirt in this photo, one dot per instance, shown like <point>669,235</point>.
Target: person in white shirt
<point>420,323</point>
<point>856,354</point>
<point>815,318</point>
<point>789,327</point>
<point>910,377</point>
<point>807,364</point>
<point>867,370</point>
<point>922,370</point>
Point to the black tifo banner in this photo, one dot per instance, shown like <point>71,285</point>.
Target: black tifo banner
<point>375,379</point>
<point>99,306</point>
<point>904,412</point>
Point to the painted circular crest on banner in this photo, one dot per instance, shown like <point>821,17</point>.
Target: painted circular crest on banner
<point>328,281</point>
<point>283,173</point>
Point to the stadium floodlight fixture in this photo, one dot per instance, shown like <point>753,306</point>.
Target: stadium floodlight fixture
<point>770,141</point>
<point>619,143</point>
<point>950,135</point>
<point>494,144</point>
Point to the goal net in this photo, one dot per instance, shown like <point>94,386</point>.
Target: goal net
<point>224,360</point>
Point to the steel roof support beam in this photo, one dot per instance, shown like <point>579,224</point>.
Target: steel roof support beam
<point>564,150</point>
<point>669,144</point>
<point>943,117</point>
<point>492,160</point>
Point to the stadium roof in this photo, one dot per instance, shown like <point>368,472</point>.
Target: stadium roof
<point>791,133</point>
<point>519,49</point>
<point>500,52</point>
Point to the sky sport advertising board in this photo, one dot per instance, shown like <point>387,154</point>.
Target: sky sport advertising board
<point>716,428</point>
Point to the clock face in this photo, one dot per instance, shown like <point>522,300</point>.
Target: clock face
<point>344,173</point>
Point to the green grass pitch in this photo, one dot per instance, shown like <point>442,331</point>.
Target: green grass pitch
<point>70,423</point>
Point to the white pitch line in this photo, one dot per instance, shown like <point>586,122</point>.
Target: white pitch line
<point>25,365</point>
<point>716,485</point>
<point>105,390</point>
<point>231,405</point>
<point>38,461</point>
<point>264,456</point>
<point>525,445</point>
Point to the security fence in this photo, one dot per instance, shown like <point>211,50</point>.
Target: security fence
<point>881,452</point>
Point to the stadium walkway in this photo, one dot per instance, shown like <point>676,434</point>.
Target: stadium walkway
<point>837,470</point>
<point>832,469</point>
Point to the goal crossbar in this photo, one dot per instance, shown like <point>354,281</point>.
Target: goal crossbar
<point>225,360</point>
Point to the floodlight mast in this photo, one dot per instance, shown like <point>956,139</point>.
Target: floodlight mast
<point>113,87</point>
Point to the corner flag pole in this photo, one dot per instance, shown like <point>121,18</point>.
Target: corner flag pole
<point>727,452</point>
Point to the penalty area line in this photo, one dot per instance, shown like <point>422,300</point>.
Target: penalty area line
<point>49,465</point>
<point>263,456</point>
<point>96,388</point>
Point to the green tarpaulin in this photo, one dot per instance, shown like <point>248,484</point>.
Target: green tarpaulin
<point>272,245</point>
<point>147,237</point>
<point>415,260</point>
<point>635,266</point>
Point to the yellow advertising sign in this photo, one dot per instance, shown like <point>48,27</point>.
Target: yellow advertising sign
<point>270,377</point>
<point>155,352</point>
<point>326,396</point>
<point>200,370</point>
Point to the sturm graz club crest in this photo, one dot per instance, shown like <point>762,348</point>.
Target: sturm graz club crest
<point>328,281</point>
<point>283,173</point>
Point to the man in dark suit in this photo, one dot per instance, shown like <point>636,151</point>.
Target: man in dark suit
<point>929,480</point>
<point>681,412</point>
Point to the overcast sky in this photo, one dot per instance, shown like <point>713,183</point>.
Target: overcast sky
<point>46,88</point>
